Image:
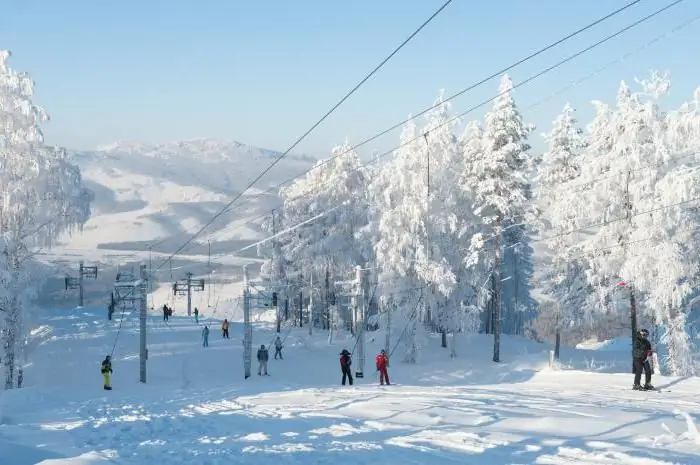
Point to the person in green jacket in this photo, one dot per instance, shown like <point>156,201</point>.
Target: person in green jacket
<point>642,354</point>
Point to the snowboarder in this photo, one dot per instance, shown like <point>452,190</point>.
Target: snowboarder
<point>196,315</point>
<point>345,363</point>
<point>382,362</point>
<point>278,348</point>
<point>166,312</point>
<point>263,357</point>
<point>205,336</point>
<point>224,329</point>
<point>642,356</point>
<point>107,372</point>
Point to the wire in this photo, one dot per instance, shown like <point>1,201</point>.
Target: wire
<point>422,112</point>
<point>315,125</point>
<point>526,81</point>
<point>377,158</point>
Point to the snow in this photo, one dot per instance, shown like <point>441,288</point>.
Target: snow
<point>197,409</point>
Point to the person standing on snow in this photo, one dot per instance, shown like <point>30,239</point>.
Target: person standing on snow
<point>224,329</point>
<point>263,357</point>
<point>166,312</point>
<point>345,363</point>
<point>205,336</point>
<point>382,362</point>
<point>278,348</point>
<point>196,315</point>
<point>642,355</point>
<point>107,372</point>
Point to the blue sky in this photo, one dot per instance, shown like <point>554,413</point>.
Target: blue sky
<point>261,72</point>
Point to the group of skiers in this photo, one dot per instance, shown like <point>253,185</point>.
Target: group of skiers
<point>168,312</point>
<point>381,362</point>
<point>263,356</point>
<point>642,354</point>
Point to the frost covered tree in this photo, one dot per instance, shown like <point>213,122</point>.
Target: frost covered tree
<point>325,213</point>
<point>497,179</point>
<point>398,211</point>
<point>564,279</point>
<point>641,187</point>
<point>42,197</point>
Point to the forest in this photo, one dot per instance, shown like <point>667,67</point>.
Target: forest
<point>464,227</point>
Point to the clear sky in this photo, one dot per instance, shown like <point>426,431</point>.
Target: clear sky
<point>262,71</point>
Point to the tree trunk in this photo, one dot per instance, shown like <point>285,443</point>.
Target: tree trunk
<point>557,344</point>
<point>497,293</point>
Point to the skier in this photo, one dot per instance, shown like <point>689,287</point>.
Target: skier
<point>278,348</point>
<point>224,329</point>
<point>106,372</point>
<point>205,336</point>
<point>263,357</point>
<point>345,363</point>
<point>382,362</point>
<point>642,356</point>
<point>166,312</point>
<point>196,315</point>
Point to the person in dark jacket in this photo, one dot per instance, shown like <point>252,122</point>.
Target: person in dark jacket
<point>263,357</point>
<point>166,312</point>
<point>642,353</point>
<point>106,371</point>
<point>345,364</point>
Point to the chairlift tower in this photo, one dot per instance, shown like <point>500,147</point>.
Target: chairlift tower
<point>84,272</point>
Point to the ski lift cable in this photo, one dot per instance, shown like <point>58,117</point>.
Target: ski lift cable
<point>397,125</point>
<point>312,128</point>
<point>526,81</point>
<point>535,104</point>
<point>475,85</point>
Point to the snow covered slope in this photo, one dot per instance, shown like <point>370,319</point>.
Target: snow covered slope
<point>197,408</point>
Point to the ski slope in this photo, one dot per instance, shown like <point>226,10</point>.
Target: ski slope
<point>198,409</point>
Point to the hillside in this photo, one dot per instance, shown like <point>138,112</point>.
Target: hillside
<point>197,408</point>
<point>158,195</point>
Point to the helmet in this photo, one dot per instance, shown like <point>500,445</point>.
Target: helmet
<point>643,332</point>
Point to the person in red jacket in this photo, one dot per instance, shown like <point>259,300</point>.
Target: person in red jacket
<point>382,362</point>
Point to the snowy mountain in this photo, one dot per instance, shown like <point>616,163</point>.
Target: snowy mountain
<point>163,193</point>
<point>157,196</point>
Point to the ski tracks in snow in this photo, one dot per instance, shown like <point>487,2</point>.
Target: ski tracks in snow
<point>527,423</point>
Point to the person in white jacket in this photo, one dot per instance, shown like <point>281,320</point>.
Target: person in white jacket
<point>278,348</point>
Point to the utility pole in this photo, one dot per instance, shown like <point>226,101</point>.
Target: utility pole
<point>143,318</point>
<point>131,293</point>
<point>185,287</point>
<point>150,271</point>
<point>247,326</point>
<point>633,304</point>
<point>311,302</point>
<point>387,342</point>
<point>278,266</point>
<point>359,304</point>
<point>84,272</point>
